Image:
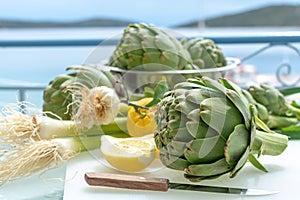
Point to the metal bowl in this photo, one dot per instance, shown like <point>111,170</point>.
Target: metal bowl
<point>232,63</point>
<point>135,80</point>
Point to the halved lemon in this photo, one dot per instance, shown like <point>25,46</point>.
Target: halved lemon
<point>141,123</point>
<point>128,154</point>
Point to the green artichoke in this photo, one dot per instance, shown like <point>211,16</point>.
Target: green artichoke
<point>207,129</point>
<point>280,113</point>
<point>274,101</point>
<point>205,53</point>
<point>56,96</point>
<point>149,48</point>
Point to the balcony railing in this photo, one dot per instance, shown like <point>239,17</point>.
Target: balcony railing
<point>274,38</point>
<point>287,39</point>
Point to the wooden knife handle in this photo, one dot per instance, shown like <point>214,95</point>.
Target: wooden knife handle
<point>126,181</point>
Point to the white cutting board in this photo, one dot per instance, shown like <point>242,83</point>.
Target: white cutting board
<point>47,186</point>
<point>283,176</point>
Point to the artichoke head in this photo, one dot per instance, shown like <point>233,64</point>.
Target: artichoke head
<point>280,113</point>
<point>57,97</point>
<point>149,48</point>
<point>271,98</point>
<point>207,128</point>
<point>204,53</point>
<point>204,129</point>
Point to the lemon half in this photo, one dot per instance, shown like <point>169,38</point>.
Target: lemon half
<point>140,124</point>
<point>128,154</point>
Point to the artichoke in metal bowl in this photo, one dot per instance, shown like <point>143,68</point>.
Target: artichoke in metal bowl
<point>205,53</point>
<point>143,52</point>
<point>150,48</point>
<point>146,54</point>
<point>208,128</point>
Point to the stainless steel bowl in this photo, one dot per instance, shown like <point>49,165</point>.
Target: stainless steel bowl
<point>137,79</point>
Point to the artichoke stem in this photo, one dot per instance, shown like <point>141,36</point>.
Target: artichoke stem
<point>294,110</point>
<point>272,144</point>
<point>279,122</point>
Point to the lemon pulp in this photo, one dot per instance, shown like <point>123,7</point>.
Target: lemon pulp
<point>128,154</point>
<point>143,123</point>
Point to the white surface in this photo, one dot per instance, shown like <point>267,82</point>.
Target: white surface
<point>283,176</point>
<point>45,186</point>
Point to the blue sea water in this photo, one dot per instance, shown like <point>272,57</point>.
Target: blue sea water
<point>40,65</point>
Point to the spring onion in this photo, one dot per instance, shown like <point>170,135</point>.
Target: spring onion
<point>95,110</point>
<point>96,106</point>
<point>16,126</point>
<point>42,155</point>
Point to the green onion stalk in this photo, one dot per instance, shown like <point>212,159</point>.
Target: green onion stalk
<point>43,155</point>
<point>17,127</point>
<point>38,154</point>
<point>36,142</point>
<point>96,111</point>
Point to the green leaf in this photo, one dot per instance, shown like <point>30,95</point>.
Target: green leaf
<point>159,91</point>
<point>252,159</point>
<point>290,91</point>
<point>293,128</point>
<point>148,91</point>
<point>295,104</point>
<point>293,132</point>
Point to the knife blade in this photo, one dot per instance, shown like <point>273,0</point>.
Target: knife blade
<point>162,184</point>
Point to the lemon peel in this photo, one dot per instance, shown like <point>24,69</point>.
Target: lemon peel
<point>128,154</point>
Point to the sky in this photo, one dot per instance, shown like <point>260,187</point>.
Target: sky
<point>158,12</point>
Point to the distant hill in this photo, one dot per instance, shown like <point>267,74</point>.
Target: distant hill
<point>270,16</point>
<point>85,23</point>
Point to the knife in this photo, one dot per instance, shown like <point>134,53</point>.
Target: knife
<point>161,184</point>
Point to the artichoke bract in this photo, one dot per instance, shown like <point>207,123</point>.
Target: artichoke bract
<point>150,48</point>
<point>56,95</point>
<point>207,129</point>
<point>204,53</point>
